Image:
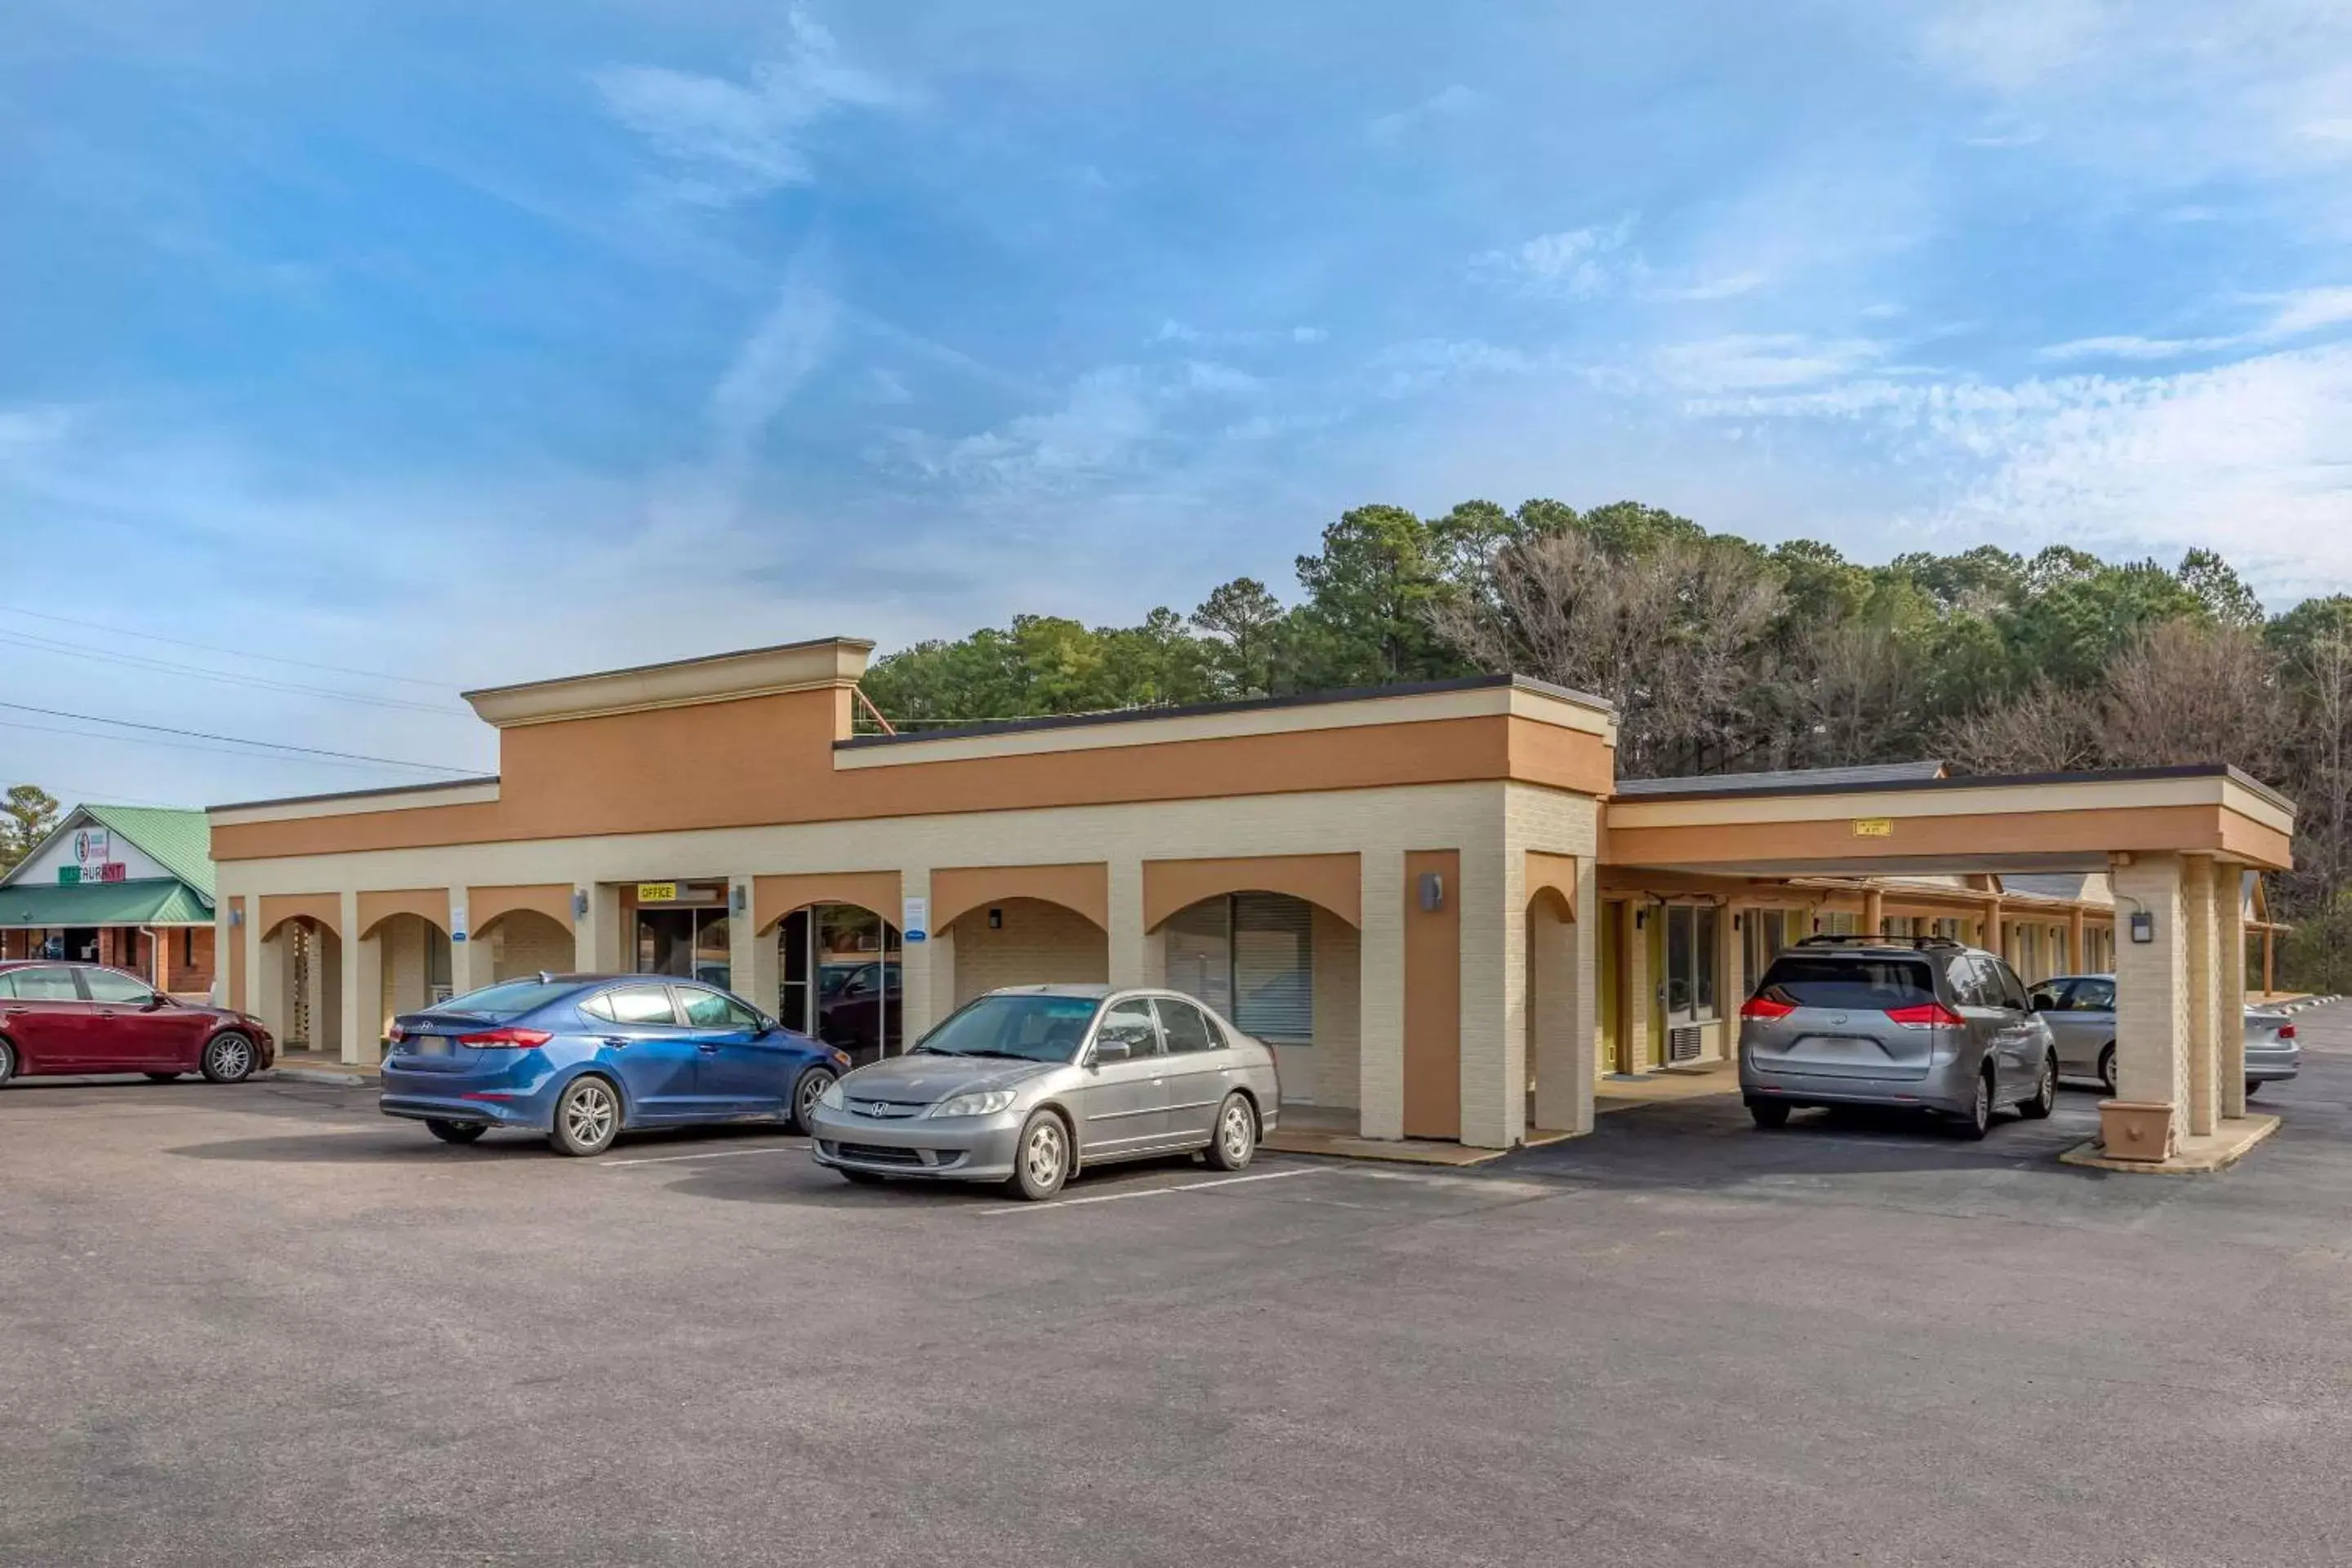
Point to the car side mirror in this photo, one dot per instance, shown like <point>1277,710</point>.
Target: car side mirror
<point>156,1001</point>
<point>1111,1051</point>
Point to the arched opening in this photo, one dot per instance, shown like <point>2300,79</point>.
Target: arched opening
<point>521,941</point>
<point>1022,941</point>
<point>302,986</point>
<point>412,964</point>
<point>839,978</point>
<point>1284,970</point>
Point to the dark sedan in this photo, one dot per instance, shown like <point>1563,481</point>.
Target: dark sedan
<point>67,1019</point>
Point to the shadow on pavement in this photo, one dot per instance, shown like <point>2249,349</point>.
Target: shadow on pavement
<point>401,1144</point>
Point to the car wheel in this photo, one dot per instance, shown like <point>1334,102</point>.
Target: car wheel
<point>806,1093</point>
<point>163,1077</point>
<point>1235,1140</point>
<point>1769,1113</point>
<point>456,1132</point>
<point>2252,1084</point>
<point>229,1059</point>
<point>1976,1121</point>
<point>2045,1094</point>
<point>587,1117</point>
<point>1041,1160</point>
<point>2107,1071</point>
<point>7,1061</point>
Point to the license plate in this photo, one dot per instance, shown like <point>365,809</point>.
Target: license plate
<point>430,1045</point>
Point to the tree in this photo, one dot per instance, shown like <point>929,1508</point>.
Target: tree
<point>1244,622</point>
<point>2048,729</point>
<point>2218,588</point>
<point>2188,692</point>
<point>1372,592</point>
<point>29,814</point>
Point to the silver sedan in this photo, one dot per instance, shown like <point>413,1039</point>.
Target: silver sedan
<point>1027,1084</point>
<point>2081,1012</point>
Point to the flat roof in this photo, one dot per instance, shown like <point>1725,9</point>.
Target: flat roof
<point>687,663</point>
<point>475,783</point>
<point>1783,778</point>
<point>1242,705</point>
<point>2005,781</point>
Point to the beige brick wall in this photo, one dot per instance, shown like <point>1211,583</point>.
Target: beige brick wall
<point>1495,1073</point>
<point>1039,944</point>
<point>1339,988</point>
<point>524,941</point>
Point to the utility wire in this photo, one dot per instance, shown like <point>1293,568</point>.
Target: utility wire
<point>178,745</point>
<point>104,797</point>
<point>258,682</point>
<point>236,740</point>
<point>232,652</point>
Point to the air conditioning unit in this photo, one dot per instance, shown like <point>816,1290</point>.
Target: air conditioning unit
<point>1683,1045</point>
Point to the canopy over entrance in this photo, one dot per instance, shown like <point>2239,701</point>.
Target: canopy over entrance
<point>2050,822</point>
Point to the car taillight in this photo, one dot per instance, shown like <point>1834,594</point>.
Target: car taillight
<point>397,1034</point>
<point>510,1038</point>
<point>1765,1008</point>
<point>2287,1031</point>
<point>1927,1015</point>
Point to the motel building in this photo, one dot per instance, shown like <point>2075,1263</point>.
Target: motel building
<point>120,885</point>
<point>1438,903</point>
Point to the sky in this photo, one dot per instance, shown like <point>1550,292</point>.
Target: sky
<point>356,355</point>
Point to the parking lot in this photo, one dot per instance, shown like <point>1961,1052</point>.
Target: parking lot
<point>264,1325</point>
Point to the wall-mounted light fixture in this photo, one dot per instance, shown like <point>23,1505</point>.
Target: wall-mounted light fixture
<point>1739,921</point>
<point>740,900</point>
<point>1433,892</point>
<point>996,919</point>
<point>579,904</point>
<point>236,919</point>
<point>1641,916</point>
<point>2143,923</point>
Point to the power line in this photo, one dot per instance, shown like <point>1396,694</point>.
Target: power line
<point>232,652</point>
<point>103,797</point>
<point>258,682</point>
<point>171,745</point>
<point>235,740</point>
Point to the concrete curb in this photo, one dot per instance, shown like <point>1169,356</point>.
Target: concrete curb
<point>2198,1157</point>
<point>311,1075</point>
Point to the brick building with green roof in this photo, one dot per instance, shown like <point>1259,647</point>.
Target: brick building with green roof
<point>127,886</point>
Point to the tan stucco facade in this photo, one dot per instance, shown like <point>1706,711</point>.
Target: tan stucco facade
<point>1456,847</point>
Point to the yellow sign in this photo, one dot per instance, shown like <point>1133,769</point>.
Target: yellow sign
<point>657,892</point>
<point>1874,827</point>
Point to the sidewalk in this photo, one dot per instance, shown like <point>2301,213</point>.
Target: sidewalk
<point>322,1067</point>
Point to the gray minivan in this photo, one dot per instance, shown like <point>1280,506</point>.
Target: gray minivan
<point>1920,1021</point>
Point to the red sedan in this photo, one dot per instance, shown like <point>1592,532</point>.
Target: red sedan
<point>58,1018</point>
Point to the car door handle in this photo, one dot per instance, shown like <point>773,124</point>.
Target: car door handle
<point>707,1048</point>
<point>616,1041</point>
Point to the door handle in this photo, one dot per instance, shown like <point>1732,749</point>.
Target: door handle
<point>615,1041</point>
<point>706,1048</point>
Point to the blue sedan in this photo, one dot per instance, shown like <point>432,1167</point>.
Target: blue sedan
<point>583,1057</point>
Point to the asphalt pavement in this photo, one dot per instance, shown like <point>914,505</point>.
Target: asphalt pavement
<point>263,1325</point>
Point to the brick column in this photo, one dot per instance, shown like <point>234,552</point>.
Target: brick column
<point>1379,1062</point>
<point>1494,981</point>
<point>2152,987</point>
<point>1128,965</point>
<point>2197,916</point>
<point>751,969</point>
<point>1873,913</point>
<point>361,1025</point>
<point>1640,986</point>
<point>920,1000</point>
<point>2230,942</point>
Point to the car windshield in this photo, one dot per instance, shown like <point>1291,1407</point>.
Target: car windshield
<point>508,998</point>
<point>1848,981</point>
<point>1028,1028</point>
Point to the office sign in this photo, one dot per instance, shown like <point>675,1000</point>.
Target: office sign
<point>1874,827</point>
<point>657,892</point>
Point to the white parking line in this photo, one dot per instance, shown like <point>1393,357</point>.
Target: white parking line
<point>1153,1192</point>
<point>713,1154</point>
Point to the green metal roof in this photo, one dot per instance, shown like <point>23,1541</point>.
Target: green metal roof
<point>158,900</point>
<point>179,841</point>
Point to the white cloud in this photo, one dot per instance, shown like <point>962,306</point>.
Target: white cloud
<point>1573,264</point>
<point>730,141</point>
<point>780,353</point>
<point>2297,314</point>
<point>1426,363</point>
<point>36,425</point>
<point>1446,103</point>
<point>1175,332</point>
<point>1729,287</point>
<point>1762,359</point>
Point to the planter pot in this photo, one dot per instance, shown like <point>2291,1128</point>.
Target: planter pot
<point>2137,1129</point>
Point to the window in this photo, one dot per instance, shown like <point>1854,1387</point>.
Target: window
<point>508,998</point>
<point>2009,987</point>
<point>2053,998</point>
<point>1130,1025</point>
<point>1250,956</point>
<point>1968,987</point>
<point>1186,1029</point>
<point>1767,938</point>
<point>1692,940</point>
<point>39,985</point>
<point>1038,1028</point>
<point>633,1004</point>
<point>107,985</point>
<point>188,945</point>
<point>709,1010</point>
<point>1853,983</point>
<point>2093,996</point>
